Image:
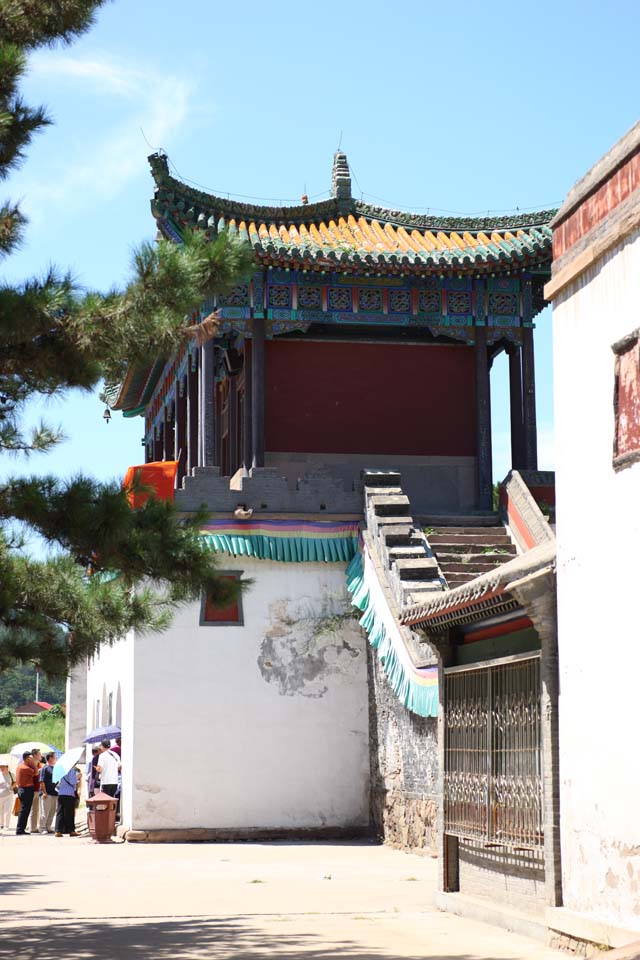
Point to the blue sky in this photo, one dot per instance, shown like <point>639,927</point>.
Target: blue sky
<point>458,107</point>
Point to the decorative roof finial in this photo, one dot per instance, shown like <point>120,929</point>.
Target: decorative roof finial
<point>340,177</point>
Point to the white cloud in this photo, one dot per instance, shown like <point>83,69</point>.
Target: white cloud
<point>106,74</point>
<point>102,161</point>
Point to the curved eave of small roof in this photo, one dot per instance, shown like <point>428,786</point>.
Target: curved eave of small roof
<point>339,234</point>
<point>495,585</point>
<point>136,388</point>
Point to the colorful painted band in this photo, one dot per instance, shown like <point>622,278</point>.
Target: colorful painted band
<point>415,687</point>
<point>288,541</point>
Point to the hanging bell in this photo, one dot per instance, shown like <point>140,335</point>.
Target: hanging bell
<point>106,416</point>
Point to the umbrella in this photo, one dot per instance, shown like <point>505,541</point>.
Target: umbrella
<point>102,733</point>
<point>30,745</point>
<point>66,762</point>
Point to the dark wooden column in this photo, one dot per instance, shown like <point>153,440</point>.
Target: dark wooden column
<point>246,411</point>
<point>515,402</point>
<point>147,443</point>
<point>233,425</point>
<point>529,381</point>
<point>181,430</point>
<point>208,414</point>
<point>168,434</point>
<point>257,392</point>
<point>217,402</point>
<point>483,421</point>
<point>157,444</point>
<point>192,412</point>
<point>529,402</point>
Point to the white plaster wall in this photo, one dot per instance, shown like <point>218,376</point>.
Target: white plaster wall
<point>598,535</point>
<point>261,725</point>
<point>76,706</point>
<point>111,671</point>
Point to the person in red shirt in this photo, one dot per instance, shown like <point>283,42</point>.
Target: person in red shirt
<point>25,775</point>
<point>35,806</point>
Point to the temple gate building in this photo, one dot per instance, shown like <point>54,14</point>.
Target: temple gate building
<point>335,422</point>
<point>365,335</point>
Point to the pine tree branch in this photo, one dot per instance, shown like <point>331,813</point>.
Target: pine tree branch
<point>12,224</point>
<point>94,523</point>
<point>18,131</point>
<point>36,23</point>
<point>53,337</point>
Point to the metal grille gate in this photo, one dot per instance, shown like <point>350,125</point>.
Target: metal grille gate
<point>492,766</point>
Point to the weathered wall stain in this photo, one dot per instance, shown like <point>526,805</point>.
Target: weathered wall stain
<point>308,642</point>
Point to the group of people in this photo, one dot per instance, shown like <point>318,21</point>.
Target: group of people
<point>42,798</point>
<point>103,769</point>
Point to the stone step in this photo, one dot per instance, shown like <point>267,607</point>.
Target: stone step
<point>414,552</point>
<point>419,593</point>
<point>486,519</point>
<point>381,478</point>
<point>469,531</point>
<point>400,535</point>
<point>390,506</point>
<point>457,581</point>
<point>452,555</point>
<point>472,569</point>
<point>391,519</point>
<point>426,568</point>
<point>379,524</point>
<point>472,557</point>
<point>468,539</point>
<point>383,491</point>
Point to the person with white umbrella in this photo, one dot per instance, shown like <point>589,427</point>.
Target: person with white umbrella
<point>64,774</point>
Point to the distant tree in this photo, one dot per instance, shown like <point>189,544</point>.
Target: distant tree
<point>7,716</point>
<point>18,686</point>
<point>55,337</point>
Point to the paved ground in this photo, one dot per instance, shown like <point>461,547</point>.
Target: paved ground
<point>70,897</point>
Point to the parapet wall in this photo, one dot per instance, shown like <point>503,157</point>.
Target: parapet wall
<point>266,491</point>
<point>291,484</point>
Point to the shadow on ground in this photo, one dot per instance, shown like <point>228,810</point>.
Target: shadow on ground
<point>20,883</point>
<point>173,939</point>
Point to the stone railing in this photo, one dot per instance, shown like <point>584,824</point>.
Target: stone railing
<point>519,509</point>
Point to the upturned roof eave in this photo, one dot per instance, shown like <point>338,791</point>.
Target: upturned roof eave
<point>212,204</point>
<point>495,585</point>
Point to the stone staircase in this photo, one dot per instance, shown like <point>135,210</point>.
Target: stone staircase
<point>464,550</point>
<point>401,546</point>
<point>431,554</point>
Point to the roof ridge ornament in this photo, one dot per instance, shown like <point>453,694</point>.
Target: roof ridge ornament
<point>340,177</point>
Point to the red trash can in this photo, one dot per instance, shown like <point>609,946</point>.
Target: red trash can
<point>101,816</point>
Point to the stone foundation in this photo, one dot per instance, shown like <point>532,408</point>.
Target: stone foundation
<point>405,821</point>
<point>213,835</point>
<point>404,768</point>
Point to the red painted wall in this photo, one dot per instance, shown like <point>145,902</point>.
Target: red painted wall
<point>327,397</point>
